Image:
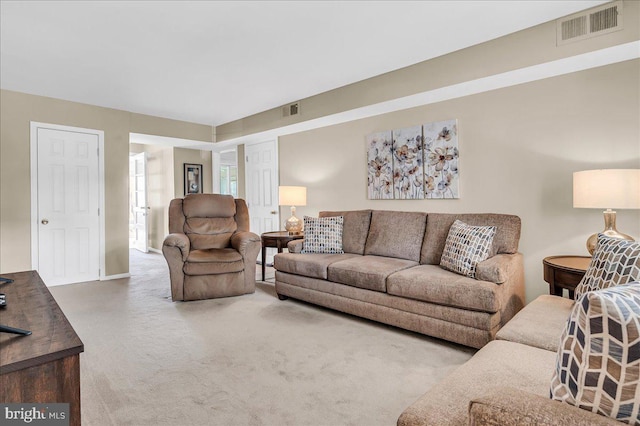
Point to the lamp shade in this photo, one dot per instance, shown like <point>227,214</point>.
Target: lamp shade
<point>292,195</point>
<point>607,189</point>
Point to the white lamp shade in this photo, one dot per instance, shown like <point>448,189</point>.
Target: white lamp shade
<point>292,195</point>
<point>607,189</point>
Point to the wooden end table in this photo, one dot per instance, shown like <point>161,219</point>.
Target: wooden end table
<point>277,239</point>
<point>564,272</point>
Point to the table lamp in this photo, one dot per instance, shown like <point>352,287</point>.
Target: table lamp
<point>607,189</point>
<point>292,196</point>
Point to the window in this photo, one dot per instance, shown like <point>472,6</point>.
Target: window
<point>229,180</point>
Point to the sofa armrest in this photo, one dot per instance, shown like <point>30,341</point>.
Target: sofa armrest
<point>495,269</point>
<point>181,241</point>
<point>295,246</point>
<point>246,243</point>
<point>510,406</point>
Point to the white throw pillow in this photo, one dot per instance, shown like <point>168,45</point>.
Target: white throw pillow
<point>323,235</point>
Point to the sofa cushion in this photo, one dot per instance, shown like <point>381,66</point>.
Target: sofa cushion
<point>368,272</point>
<point>355,229</point>
<point>497,364</point>
<point>614,262</point>
<point>396,234</point>
<point>213,261</point>
<point>308,265</point>
<point>431,283</point>
<point>323,235</point>
<point>539,324</point>
<point>466,246</point>
<point>438,224</point>
<point>598,361</point>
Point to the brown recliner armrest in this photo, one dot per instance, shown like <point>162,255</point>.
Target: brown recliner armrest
<point>181,241</point>
<point>246,243</point>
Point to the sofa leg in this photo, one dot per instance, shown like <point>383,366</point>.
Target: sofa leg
<point>282,297</point>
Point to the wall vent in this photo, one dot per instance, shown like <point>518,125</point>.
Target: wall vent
<point>291,109</point>
<point>591,23</point>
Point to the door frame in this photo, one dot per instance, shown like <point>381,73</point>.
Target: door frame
<point>34,126</point>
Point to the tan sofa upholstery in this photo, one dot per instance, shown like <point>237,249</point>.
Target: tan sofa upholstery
<point>210,251</point>
<point>507,382</point>
<point>390,273</point>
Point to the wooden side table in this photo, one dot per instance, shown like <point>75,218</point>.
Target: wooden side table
<point>277,239</point>
<point>564,272</point>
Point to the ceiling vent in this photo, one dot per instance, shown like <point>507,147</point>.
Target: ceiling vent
<point>591,23</point>
<point>291,109</point>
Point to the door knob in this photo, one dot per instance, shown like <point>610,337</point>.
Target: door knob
<point>274,212</point>
<point>44,221</point>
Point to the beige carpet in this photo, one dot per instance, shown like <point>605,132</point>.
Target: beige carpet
<point>248,360</point>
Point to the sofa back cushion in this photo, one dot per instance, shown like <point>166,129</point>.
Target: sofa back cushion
<point>396,234</point>
<point>505,240</point>
<point>354,229</point>
<point>209,220</point>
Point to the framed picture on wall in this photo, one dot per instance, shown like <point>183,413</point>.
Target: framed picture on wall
<point>192,178</point>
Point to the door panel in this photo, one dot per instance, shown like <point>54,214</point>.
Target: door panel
<point>68,203</point>
<point>138,223</point>
<point>262,188</point>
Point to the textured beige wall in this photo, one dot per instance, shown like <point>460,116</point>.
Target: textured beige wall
<point>525,48</point>
<point>17,110</point>
<point>518,149</point>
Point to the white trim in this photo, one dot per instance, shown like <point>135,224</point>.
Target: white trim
<point>155,250</point>
<point>585,61</point>
<point>115,277</point>
<point>34,126</point>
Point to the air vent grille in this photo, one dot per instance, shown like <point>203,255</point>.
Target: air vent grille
<point>291,109</point>
<point>591,23</point>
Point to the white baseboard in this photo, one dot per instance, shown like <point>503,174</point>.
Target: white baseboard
<point>155,250</point>
<point>115,277</point>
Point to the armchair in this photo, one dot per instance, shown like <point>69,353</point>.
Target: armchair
<point>210,251</point>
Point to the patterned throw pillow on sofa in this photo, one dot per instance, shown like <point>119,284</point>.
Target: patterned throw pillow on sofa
<point>598,362</point>
<point>323,235</point>
<point>465,247</point>
<point>614,262</point>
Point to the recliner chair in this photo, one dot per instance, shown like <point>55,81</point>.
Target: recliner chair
<point>210,251</point>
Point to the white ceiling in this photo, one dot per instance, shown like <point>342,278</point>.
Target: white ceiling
<point>212,62</point>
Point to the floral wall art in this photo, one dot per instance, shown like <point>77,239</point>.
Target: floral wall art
<point>380,180</point>
<point>408,172</point>
<point>441,159</point>
<point>414,163</point>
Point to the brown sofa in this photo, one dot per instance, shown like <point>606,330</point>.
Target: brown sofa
<point>390,273</point>
<point>507,382</point>
<point>210,251</point>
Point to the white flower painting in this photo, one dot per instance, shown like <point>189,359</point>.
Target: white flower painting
<point>408,172</point>
<point>380,167</point>
<point>414,163</point>
<point>441,159</point>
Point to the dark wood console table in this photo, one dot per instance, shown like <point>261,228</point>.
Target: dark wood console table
<point>45,366</point>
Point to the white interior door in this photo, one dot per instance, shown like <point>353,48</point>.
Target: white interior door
<point>139,208</point>
<point>262,188</point>
<point>68,202</point>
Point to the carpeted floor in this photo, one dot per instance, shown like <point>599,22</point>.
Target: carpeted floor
<point>248,360</point>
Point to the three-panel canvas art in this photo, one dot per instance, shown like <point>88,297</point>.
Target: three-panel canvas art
<point>414,163</point>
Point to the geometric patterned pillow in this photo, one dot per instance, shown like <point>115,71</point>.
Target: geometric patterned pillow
<point>598,361</point>
<point>465,247</point>
<point>614,262</point>
<point>323,235</point>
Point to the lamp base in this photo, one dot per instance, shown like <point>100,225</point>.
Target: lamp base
<point>609,230</point>
<point>293,225</point>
